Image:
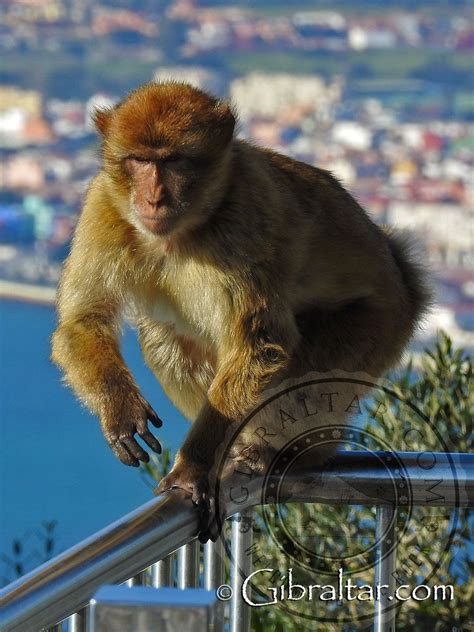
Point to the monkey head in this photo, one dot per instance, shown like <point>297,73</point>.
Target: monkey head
<point>166,152</point>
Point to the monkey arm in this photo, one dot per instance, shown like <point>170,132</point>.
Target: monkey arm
<point>259,352</point>
<point>86,347</point>
<point>266,337</point>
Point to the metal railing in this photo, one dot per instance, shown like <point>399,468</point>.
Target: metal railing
<point>146,538</point>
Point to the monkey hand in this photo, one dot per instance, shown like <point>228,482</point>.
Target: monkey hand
<point>199,482</point>
<point>120,425</point>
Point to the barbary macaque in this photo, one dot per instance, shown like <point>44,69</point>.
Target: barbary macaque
<point>238,266</point>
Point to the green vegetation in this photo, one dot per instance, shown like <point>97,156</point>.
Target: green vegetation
<point>34,548</point>
<point>68,74</point>
<point>337,4</point>
<point>350,7</point>
<point>382,64</point>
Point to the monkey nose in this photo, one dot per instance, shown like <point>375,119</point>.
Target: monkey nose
<point>157,196</point>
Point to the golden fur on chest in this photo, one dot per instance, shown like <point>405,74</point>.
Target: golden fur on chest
<point>183,294</point>
<point>181,318</point>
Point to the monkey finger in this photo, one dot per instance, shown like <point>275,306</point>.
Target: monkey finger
<point>153,417</point>
<point>123,454</point>
<point>163,486</point>
<point>212,519</point>
<point>150,440</point>
<point>208,511</point>
<point>217,523</point>
<point>135,449</point>
<point>212,532</point>
<point>199,492</point>
<point>203,537</point>
<point>205,520</point>
<point>209,529</point>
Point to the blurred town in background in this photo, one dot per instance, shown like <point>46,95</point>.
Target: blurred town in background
<point>380,93</point>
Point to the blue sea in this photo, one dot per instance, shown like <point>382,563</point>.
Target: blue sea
<point>54,462</point>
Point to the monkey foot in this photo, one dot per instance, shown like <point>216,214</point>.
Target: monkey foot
<point>196,481</point>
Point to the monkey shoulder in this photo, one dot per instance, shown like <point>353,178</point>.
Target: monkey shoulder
<point>298,171</point>
<point>297,194</point>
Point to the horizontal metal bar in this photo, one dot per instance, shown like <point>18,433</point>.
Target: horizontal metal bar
<point>66,583</point>
<point>430,479</point>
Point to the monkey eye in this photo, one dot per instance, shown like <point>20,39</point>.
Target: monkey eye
<point>140,159</point>
<point>172,159</point>
<point>176,159</point>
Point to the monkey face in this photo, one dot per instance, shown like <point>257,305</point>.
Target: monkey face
<point>166,148</point>
<point>161,191</point>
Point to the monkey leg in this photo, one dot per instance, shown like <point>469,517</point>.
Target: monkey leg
<point>184,370</point>
<point>362,336</point>
<point>195,471</point>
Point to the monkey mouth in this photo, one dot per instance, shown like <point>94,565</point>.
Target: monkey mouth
<point>158,224</point>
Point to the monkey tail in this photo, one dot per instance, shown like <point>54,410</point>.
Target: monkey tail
<point>405,249</point>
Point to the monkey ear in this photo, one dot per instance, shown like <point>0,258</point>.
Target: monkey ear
<point>226,119</point>
<point>102,118</point>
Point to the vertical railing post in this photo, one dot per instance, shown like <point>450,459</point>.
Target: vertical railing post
<point>137,580</point>
<point>242,537</point>
<point>385,533</point>
<point>214,569</point>
<point>78,621</point>
<point>162,572</point>
<point>188,565</point>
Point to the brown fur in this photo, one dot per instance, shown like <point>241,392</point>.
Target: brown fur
<point>271,269</point>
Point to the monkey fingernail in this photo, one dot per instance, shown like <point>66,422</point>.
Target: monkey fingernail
<point>155,420</point>
<point>136,450</point>
<point>125,455</point>
<point>151,441</point>
<point>163,486</point>
<point>127,459</point>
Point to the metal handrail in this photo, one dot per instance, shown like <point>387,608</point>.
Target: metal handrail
<point>66,583</point>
